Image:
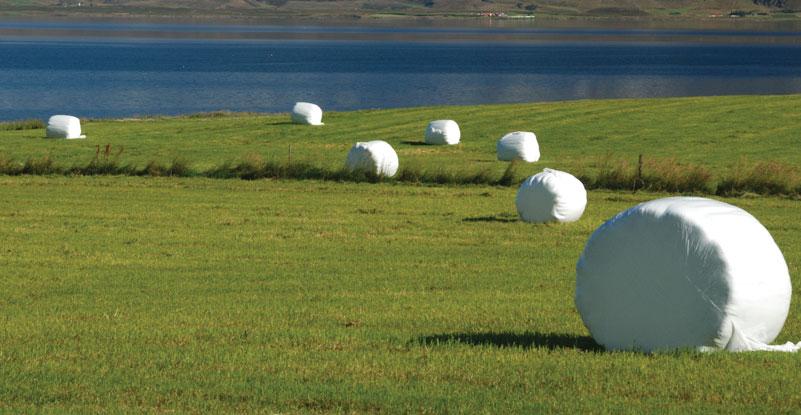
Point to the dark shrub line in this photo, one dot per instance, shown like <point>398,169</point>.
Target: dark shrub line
<point>660,175</point>
<point>767,177</point>
<point>667,175</point>
<point>251,168</point>
<point>30,124</point>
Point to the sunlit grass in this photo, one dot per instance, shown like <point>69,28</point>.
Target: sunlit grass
<point>347,293</point>
<point>200,295</point>
<point>704,145</point>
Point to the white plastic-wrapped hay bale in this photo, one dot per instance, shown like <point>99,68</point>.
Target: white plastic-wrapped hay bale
<point>519,145</point>
<point>551,196</point>
<point>683,272</point>
<point>64,126</point>
<point>375,157</point>
<point>307,113</point>
<point>443,132</point>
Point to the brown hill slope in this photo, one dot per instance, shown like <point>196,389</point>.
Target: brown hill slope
<point>593,9</point>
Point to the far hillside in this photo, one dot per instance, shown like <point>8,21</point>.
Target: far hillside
<point>386,9</point>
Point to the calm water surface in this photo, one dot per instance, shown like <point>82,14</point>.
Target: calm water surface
<point>122,76</point>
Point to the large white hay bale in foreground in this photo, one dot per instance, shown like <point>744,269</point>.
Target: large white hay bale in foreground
<point>683,272</point>
<point>64,126</point>
<point>551,196</point>
<point>375,157</point>
<point>443,132</point>
<point>307,113</point>
<point>519,145</point>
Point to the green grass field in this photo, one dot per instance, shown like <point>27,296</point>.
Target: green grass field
<point>716,132</point>
<point>147,294</point>
<point>143,294</point>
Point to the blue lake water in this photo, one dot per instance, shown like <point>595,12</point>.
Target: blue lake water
<point>120,77</point>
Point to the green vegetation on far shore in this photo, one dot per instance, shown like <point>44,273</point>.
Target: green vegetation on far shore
<point>425,11</point>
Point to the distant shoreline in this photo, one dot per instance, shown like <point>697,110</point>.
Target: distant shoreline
<point>528,32</point>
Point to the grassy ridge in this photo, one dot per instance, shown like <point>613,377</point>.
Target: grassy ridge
<point>721,138</point>
<point>197,295</point>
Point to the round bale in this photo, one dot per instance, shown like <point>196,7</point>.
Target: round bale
<point>519,145</point>
<point>443,132</point>
<point>373,157</point>
<point>551,196</point>
<point>64,126</point>
<point>683,273</point>
<point>307,113</point>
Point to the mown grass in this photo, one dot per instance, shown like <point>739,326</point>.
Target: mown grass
<point>714,132</point>
<point>181,293</point>
<point>126,294</point>
<point>688,144</point>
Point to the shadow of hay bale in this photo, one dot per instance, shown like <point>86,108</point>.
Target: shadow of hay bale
<point>526,340</point>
